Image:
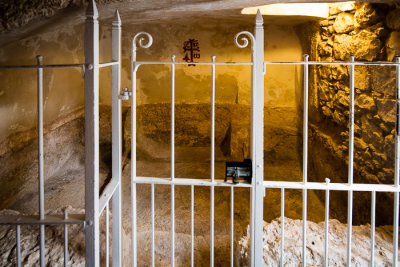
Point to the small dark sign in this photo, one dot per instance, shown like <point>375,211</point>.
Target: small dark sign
<point>238,170</point>
<point>192,50</point>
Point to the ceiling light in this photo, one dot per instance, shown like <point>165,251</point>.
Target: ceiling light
<point>298,9</point>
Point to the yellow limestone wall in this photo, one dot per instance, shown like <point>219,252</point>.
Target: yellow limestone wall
<point>63,88</point>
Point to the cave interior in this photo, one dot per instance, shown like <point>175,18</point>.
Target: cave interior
<point>55,30</point>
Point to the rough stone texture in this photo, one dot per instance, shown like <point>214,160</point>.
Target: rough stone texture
<point>363,45</point>
<point>15,15</point>
<point>344,23</point>
<point>393,19</point>
<point>30,253</point>
<point>192,160</point>
<point>393,45</point>
<point>367,14</point>
<point>361,245</point>
<point>63,163</point>
<point>371,39</point>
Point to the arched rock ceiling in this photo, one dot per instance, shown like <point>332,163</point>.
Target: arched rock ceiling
<point>19,19</point>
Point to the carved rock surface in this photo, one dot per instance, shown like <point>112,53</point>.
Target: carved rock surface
<point>315,244</point>
<point>393,45</point>
<point>393,19</point>
<point>364,46</point>
<point>344,23</point>
<point>367,14</point>
<point>54,245</point>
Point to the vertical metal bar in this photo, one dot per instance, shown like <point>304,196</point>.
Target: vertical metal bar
<point>172,118</point>
<point>232,223</point>
<point>172,161</point>
<point>192,225</point>
<point>373,204</point>
<point>107,238</point>
<point>305,120</point>
<point>172,225</point>
<point>396,230</point>
<point>282,226</point>
<point>304,247</point>
<point>212,228</point>
<point>152,226</point>
<point>133,157</point>
<point>18,237</point>
<point>66,256</point>
<point>40,136</point>
<point>257,143</point>
<point>92,135</point>
<point>326,256</point>
<point>212,159</point>
<point>349,225</point>
<point>133,213</point>
<point>351,123</point>
<point>351,162</point>
<point>40,155</point>
<point>397,167</point>
<point>305,158</point>
<point>116,142</point>
<point>213,119</point>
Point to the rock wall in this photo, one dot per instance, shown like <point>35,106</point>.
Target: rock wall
<point>337,240</point>
<point>370,32</point>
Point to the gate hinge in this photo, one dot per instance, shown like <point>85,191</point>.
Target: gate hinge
<point>125,94</point>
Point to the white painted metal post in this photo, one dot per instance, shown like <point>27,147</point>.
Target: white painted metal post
<point>40,156</point>
<point>305,158</point>
<point>258,143</point>
<point>133,157</point>
<point>213,119</point>
<point>137,40</point>
<point>397,171</point>
<point>18,248</point>
<point>282,227</point>
<point>351,163</point>
<point>212,199</point>
<point>153,263</point>
<point>172,161</point>
<point>373,206</point>
<point>107,241</point>
<point>116,142</point>
<point>92,135</point>
<point>66,257</point>
<point>192,225</point>
<point>326,249</point>
<point>232,222</point>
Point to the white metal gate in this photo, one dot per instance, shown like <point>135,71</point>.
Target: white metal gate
<point>258,186</point>
<point>95,204</point>
<point>242,40</point>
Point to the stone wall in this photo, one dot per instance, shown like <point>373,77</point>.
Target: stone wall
<point>370,32</point>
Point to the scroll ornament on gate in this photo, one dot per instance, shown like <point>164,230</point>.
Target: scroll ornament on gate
<point>192,51</point>
<point>244,39</point>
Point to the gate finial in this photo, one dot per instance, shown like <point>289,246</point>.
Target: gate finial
<point>117,19</point>
<point>259,18</point>
<point>91,11</point>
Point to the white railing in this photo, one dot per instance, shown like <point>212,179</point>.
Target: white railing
<point>144,40</point>
<point>42,220</point>
<point>94,204</point>
<point>258,185</point>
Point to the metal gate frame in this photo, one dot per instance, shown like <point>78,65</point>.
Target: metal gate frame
<point>95,204</point>
<point>144,40</point>
<point>258,186</point>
